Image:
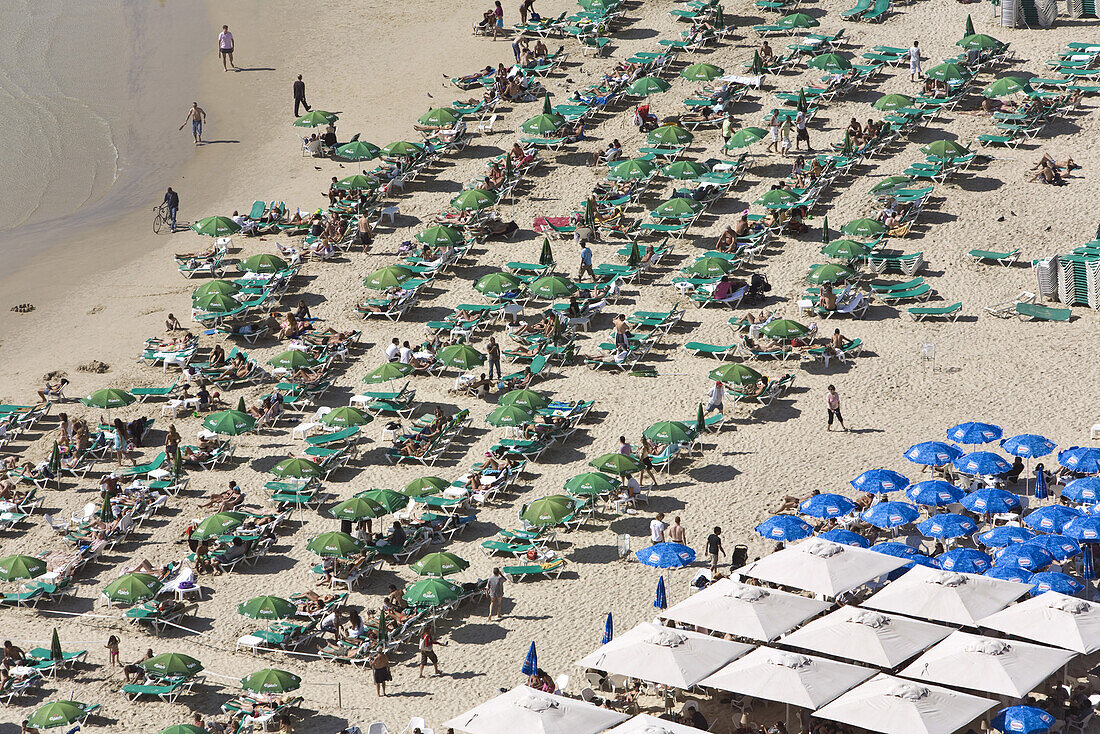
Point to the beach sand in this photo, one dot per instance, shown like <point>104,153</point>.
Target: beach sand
<point>100,296</point>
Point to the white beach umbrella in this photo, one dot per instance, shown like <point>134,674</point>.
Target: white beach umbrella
<point>945,596</point>
<point>787,677</point>
<point>822,567</point>
<point>646,724</point>
<point>746,611</point>
<point>986,664</point>
<point>533,712</point>
<point>896,706</point>
<point>663,655</point>
<point>1053,619</point>
<point>866,636</point>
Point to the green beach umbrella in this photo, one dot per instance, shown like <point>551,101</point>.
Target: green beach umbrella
<point>777,199</point>
<point>552,286</point>
<point>829,273</point>
<point>425,486</point>
<point>864,228</point>
<point>678,208</point>
<point>969,26</point>
<point>630,170</point>
<point>215,302</point>
<point>460,356</point>
<point>271,680</point>
<point>711,267</point>
<point>746,137</point>
<point>798,20</point>
<point>509,415</point>
<point>184,729</point>
<point>216,226</point>
<point>267,607</point>
<point>542,124</point>
<point>316,118</point>
<point>524,398</point>
<point>335,544</point>
<point>552,510</point>
<point>634,257</point>
<point>590,212</point>
<point>616,464</point>
<point>474,200</point>
<point>891,102</point>
<point>946,73</point>
<point>264,263</point>
<point>684,170</point>
<point>700,421</point>
<point>669,135</point>
<point>891,184</point>
<point>701,72</point>
<point>13,568</point>
<point>345,416</point>
<point>56,652</point>
<point>590,483</point>
<point>825,231</point>
<point>802,105</point>
<point>847,149</point>
<point>495,285</point>
<point>979,41</point>
<point>172,664</point>
<point>218,524</point>
<point>668,432</point>
<point>358,508</point>
<point>225,287</point>
<point>387,372</point>
<point>132,588</point>
<point>229,422</point>
<point>297,469</point>
<point>784,329</point>
<point>439,565</point>
<point>356,181</point>
<point>830,62</point>
<point>735,374</point>
<point>431,592</point>
<point>439,117</point>
<point>845,249</point>
<point>292,359</point>
<point>391,276</point>
<point>439,235</point>
<point>402,149</point>
<point>945,149</point>
<point>546,257</point>
<point>57,713</point>
<point>647,85</point>
<point>390,499</point>
<point>108,398</point>
<point>757,67</point>
<point>1006,86</point>
<point>54,464</point>
<point>358,150</point>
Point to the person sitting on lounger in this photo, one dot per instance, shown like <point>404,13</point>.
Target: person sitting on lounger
<point>202,452</point>
<point>52,390</point>
<point>767,56</point>
<point>545,327</point>
<point>238,368</point>
<point>756,388</point>
<point>613,152</point>
<point>703,115</point>
<point>828,299</point>
<point>236,551</point>
<point>520,382</point>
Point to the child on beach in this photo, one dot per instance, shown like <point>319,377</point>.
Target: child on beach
<point>112,648</point>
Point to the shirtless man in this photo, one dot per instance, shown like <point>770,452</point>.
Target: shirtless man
<point>622,333</point>
<point>196,116</point>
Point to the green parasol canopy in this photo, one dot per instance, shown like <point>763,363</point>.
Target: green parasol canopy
<point>229,422</point>
<point>546,257</point>
<point>460,356</point>
<point>264,263</point>
<point>184,729</point>
<point>390,499</point>
<point>635,257</point>
<point>387,372</point>
<point>735,374</point>
<point>216,226</point>
<point>784,329</point>
<point>524,398</point>
<point>864,228</point>
<point>891,102</point>
<point>431,592</point>
<point>267,607</point>
<point>345,416</point>
<point>891,184</point>
<point>57,713</point>
<point>552,510</point>
<point>439,235</point>
<point>474,200</point>
<point>616,464</point>
<point>391,276</point>
<point>1006,86</point>
<point>979,41</point>
<point>745,137</point>
<point>439,117</point>
<point>293,359</point>
<point>552,286</point>
<point>215,302</point>
<point>669,135</point>
<point>218,524</point>
<point>356,181</point>
<point>108,398</point>
<point>172,664</point>
<point>358,508</point>
<point>830,62</point>
<point>316,118</point>
<point>271,680</point>
<point>425,486</point>
<point>684,170</point>
<point>56,653</point>
<point>132,588</point>
<point>358,150</point>
<point>829,273</point>
<point>439,565</point>
<point>543,124</point>
<point>945,149</point>
<point>701,72</point>
<point>711,267</point>
<point>495,285</point>
<point>402,149</point>
<point>757,67</point>
<point>335,543</point>
<point>647,85</point>
<point>13,568</point>
<point>946,73</point>
<point>509,415</point>
<point>798,20</point>
<point>678,208</point>
<point>668,432</point>
<point>845,249</point>
<point>225,287</point>
<point>590,483</point>
<point>777,199</point>
<point>633,169</point>
<point>969,26</point>
<point>297,469</point>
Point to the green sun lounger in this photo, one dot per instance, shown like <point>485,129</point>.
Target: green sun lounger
<point>1006,259</point>
<point>511,549</point>
<point>549,569</point>
<point>324,439</point>
<point>922,293</point>
<point>894,287</point>
<point>853,13</point>
<point>1036,312</point>
<point>144,393</point>
<point>167,693</point>
<point>710,350</point>
<point>952,312</point>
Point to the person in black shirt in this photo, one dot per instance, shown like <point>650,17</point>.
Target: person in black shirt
<point>300,95</point>
<point>172,201</point>
<point>714,547</point>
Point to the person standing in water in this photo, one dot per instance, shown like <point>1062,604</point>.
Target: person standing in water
<point>196,116</point>
<point>225,47</point>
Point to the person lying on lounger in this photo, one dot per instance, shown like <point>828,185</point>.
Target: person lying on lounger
<point>545,327</point>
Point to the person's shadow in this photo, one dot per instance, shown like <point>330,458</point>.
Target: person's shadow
<point>255,68</point>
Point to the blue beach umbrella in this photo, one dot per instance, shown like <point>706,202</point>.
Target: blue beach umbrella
<point>933,453</point>
<point>1059,546</point>
<point>1083,529</point>
<point>895,549</point>
<point>889,515</point>
<point>974,432</point>
<point>985,463</point>
<point>1040,482</point>
<point>1051,518</point>
<point>1028,445</point>
<point>964,560</point>
<point>1085,490</point>
<point>1004,536</point>
<point>990,501</point>
<point>1022,720</point>
<point>531,662</point>
<point>785,528</point>
<point>666,555</point>
<point>880,481</point>
<point>1061,583</point>
<point>826,505</point>
<point>1083,459</point>
<point>947,526</point>
<point>661,600</point>
<point>934,493</point>
<point>845,537</point>
<point>607,630</point>
<point>1088,569</point>
<point>1009,573</point>
<point>1029,557</point>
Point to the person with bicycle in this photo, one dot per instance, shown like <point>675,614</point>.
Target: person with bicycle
<point>172,203</point>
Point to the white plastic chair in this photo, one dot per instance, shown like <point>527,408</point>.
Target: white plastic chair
<point>561,683</point>
<point>377,727</point>
<point>486,125</point>
<point>416,722</point>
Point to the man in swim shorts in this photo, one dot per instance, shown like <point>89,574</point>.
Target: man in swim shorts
<point>196,115</point>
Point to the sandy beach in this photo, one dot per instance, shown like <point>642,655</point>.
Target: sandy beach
<point>101,288</point>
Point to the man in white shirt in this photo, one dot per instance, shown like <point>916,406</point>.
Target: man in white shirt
<point>225,47</point>
<point>406,354</point>
<point>393,350</point>
<point>914,61</point>
<point>657,528</point>
<point>714,398</point>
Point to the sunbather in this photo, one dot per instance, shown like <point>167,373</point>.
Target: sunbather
<point>134,671</point>
<point>52,390</point>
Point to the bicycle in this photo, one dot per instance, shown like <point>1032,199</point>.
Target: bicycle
<point>160,217</point>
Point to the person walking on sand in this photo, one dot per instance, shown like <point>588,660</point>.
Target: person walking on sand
<point>300,96</point>
<point>172,201</point>
<point>801,133</point>
<point>714,547</point>
<point>498,19</point>
<point>225,47</point>
<point>494,589</point>
<point>427,651</point>
<point>380,664</point>
<point>676,532</point>
<point>657,528</point>
<point>914,62</point>
<point>773,131</point>
<point>196,116</point>
<point>492,353</point>
<point>586,260</point>
<point>832,404</point>
<point>714,398</point>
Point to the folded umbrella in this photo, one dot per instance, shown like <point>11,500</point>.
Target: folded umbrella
<point>964,560</point>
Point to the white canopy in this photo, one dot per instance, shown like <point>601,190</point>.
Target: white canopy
<point>664,655</point>
<point>530,711</point>
<point>825,568</point>
<point>745,611</point>
<point>895,706</point>
<point>1051,618</point>
<point>646,724</point>
<point>987,664</point>
<point>945,596</point>
<point>787,677</point>
<point>883,640</point>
